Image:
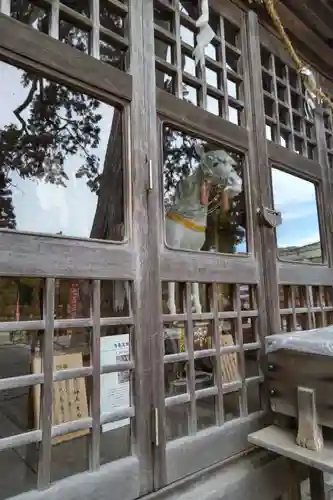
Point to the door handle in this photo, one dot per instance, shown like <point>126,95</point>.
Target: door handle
<point>272,218</point>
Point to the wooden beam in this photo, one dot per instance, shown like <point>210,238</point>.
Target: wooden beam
<point>305,35</point>
<point>315,14</point>
<point>310,46</point>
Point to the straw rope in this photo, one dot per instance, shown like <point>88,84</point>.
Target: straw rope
<point>308,78</point>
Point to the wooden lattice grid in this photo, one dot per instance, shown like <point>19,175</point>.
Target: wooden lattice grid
<point>216,87</point>
<point>286,120</point>
<point>328,126</point>
<point>46,378</point>
<point>225,322</point>
<point>96,27</point>
<point>305,307</point>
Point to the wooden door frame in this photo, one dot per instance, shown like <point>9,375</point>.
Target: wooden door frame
<point>179,458</point>
<point>40,255</point>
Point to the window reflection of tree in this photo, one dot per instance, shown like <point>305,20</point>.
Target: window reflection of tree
<point>56,123</point>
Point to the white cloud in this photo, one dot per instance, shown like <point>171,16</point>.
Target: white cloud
<point>289,190</point>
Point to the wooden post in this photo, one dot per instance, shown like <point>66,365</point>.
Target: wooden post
<point>294,487</point>
<point>317,487</point>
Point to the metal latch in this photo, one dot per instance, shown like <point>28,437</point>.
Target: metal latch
<point>271,217</point>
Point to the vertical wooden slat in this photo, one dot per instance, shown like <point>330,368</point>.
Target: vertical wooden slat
<point>203,92</point>
<point>317,484</point>
<point>268,244</point>
<point>305,143</point>
<point>308,295</point>
<point>293,307</point>
<point>141,292</point>
<point>44,463</point>
<point>94,35</point>
<point>189,345</point>
<point>179,75</point>
<point>325,214</point>
<point>291,121</point>
<point>223,57</point>
<point>94,455</point>
<point>216,333</point>
<point>321,292</point>
<point>260,291</point>
<point>147,304</point>
<point>276,104</point>
<point>294,486</point>
<point>287,305</point>
<point>54,20</point>
<point>153,324</point>
<point>239,336</point>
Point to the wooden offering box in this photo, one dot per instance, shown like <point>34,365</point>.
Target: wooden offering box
<point>300,377</point>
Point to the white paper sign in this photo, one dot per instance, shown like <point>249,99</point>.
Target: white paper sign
<point>115,388</point>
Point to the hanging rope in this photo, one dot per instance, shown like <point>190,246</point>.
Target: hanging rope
<point>312,92</point>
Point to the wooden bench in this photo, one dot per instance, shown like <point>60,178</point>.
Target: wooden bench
<point>300,381</point>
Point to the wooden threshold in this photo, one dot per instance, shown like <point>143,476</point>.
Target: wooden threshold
<point>283,442</point>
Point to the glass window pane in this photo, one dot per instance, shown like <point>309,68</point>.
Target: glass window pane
<point>212,78</point>
<point>206,412</point>
<point>189,65</point>
<point>60,158</point>
<point>298,237</point>
<point>190,94</point>
<point>21,299</point>
<point>177,420</point>
<point>213,105</point>
<point>115,394</point>
<point>18,471</point>
<point>203,195</point>
<point>187,35</point>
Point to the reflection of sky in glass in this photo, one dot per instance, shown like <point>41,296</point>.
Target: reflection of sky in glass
<point>241,247</point>
<point>210,51</point>
<point>187,35</point>
<point>189,65</point>
<point>295,198</point>
<point>45,207</point>
<point>233,115</point>
<point>213,105</point>
<point>212,78</point>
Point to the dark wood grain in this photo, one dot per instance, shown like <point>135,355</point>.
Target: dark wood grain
<point>290,370</point>
<point>325,216</point>
<point>151,299</point>
<point>267,234</point>
<point>46,256</point>
<point>44,50</point>
<point>144,290</point>
<point>317,486</point>
<point>206,267</point>
<point>299,164</point>
<point>194,119</point>
<point>44,464</point>
<point>304,274</point>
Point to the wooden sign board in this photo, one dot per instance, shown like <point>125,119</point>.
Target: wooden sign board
<point>69,400</point>
<point>229,362</point>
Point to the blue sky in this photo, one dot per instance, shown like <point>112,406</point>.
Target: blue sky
<point>296,199</point>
